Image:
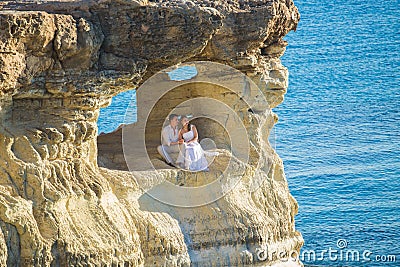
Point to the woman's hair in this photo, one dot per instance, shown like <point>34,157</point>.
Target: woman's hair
<point>189,125</point>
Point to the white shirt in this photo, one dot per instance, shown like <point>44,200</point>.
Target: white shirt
<point>168,135</point>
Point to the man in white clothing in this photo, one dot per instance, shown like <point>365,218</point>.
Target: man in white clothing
<point>169,139</point>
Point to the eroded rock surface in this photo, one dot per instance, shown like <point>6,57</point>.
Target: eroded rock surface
<point>60,62</point>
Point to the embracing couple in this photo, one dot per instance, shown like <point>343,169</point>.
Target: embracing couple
<point>184,142</point>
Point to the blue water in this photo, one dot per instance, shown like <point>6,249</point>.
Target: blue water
<point>339,128</point>
<point>183,73</point>
<point>122,110</point>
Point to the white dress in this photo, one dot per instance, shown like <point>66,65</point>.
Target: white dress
<point>195,159</point>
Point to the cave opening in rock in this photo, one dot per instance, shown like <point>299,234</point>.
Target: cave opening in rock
<point>182,101</point>
<point>123,109</point>
<point>214,109</point>
<point>182,73</point>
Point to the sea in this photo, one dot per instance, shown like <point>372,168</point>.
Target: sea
<point>338,131</point>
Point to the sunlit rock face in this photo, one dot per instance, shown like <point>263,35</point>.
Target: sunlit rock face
<point>61,61</point>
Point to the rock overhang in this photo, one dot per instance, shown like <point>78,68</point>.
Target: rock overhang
<point>105,47</point>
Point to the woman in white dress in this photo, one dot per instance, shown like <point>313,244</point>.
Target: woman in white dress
<point>193,157</point>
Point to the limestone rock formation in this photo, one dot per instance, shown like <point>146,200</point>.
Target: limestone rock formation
<point>60,62</point>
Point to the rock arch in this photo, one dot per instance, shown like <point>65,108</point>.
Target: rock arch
<point>60,62</point>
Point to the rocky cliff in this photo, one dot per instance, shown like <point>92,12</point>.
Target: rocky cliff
<point>61,61</point>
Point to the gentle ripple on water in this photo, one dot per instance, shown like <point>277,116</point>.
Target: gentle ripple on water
<point>339,128</point>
